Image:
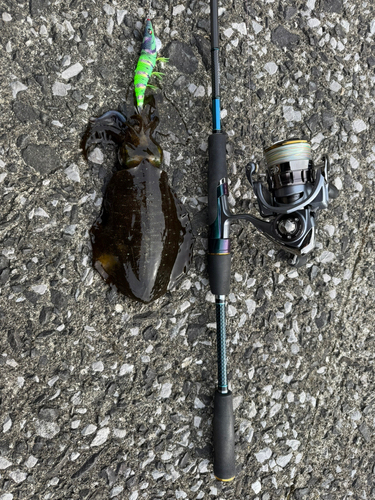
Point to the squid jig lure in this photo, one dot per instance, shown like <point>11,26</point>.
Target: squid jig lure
<point>146,64</point>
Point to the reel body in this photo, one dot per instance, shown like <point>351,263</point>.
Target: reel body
<point>295,191</point>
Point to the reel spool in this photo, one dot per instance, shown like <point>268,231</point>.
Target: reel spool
<point>296,190</point>
<point>289,170</point>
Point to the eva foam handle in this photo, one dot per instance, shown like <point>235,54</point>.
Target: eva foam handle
<point>224,465</point>
<point>219,267</point>
<point>217,169</point>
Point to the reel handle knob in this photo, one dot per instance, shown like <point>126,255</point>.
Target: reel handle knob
<point>333,192</point>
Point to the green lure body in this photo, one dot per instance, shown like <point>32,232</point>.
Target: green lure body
<point>146,64</point>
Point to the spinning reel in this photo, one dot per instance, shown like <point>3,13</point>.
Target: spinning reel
<point>295,192</point>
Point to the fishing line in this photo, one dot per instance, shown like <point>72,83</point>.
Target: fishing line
<point>289,151</point>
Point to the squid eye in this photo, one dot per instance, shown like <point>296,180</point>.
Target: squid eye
<point>149,31</point>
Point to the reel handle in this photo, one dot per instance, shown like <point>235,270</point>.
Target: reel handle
<point>224,463</point>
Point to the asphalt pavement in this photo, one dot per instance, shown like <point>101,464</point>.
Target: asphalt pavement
<point>102,397</point>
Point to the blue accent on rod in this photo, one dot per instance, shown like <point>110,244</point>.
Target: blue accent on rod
<point>216,114</point>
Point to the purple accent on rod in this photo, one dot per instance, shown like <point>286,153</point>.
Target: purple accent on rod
<point>218,246</point>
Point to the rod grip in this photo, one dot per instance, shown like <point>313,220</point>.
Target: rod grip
<point>219,267</point>
<point>224,464</point>
<point>217,169</point>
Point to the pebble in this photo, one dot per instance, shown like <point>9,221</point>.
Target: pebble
<point>6,496</point>
<point>166,390</point>
<point>108,9</point>
<point>167,455</point>
<point>241,27</point>
<point>293,443</point>
<point>7,425</point>
<point>4,463</point>
<point>256,27</point>
<point>17,87</point>
<point>251,305</point>
<point>98,366</point>
<point>39,289</point>
<point>75,424</point>
<point>40,212</point>
<point>359,126</point>
<point>119,433</point>
<point>354,163</point>
<point>202,467</point>
<point>18,476</point>
<point>329,229</point>
<point>284,460</point>
<point>284,38</point>
<point>60,89</point>
<point>263,455</point>
<point>313,23</point>
<point>6,17</point>
<point>72,172</point>
<point>116,491</point>
<point>185,305</point>
<point>275,409</point>
<point>256,487</point>
<point>232,311</point>
<point>271,68</point>
<point>71,229</point>
<point>318,138</point>
<point>180,494</point>
<point>335,86</point>
<point>110,26</point>
<point>72,71</point>
<point>101,437</point>
<point>45,429</point>
<point>96,156</point>
<point>126,369</point>
<point>178,9</point>
<point>291,115</point>
<point>200,91</point>
<point>167,158</point>
<point>121,15</point>
<point>326,257</point>
<point>288,307</point>
<point>31,462</point>
<point>65,61</point>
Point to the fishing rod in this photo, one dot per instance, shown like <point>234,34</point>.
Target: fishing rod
<point>219,265</point>
<point>295,192</point>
